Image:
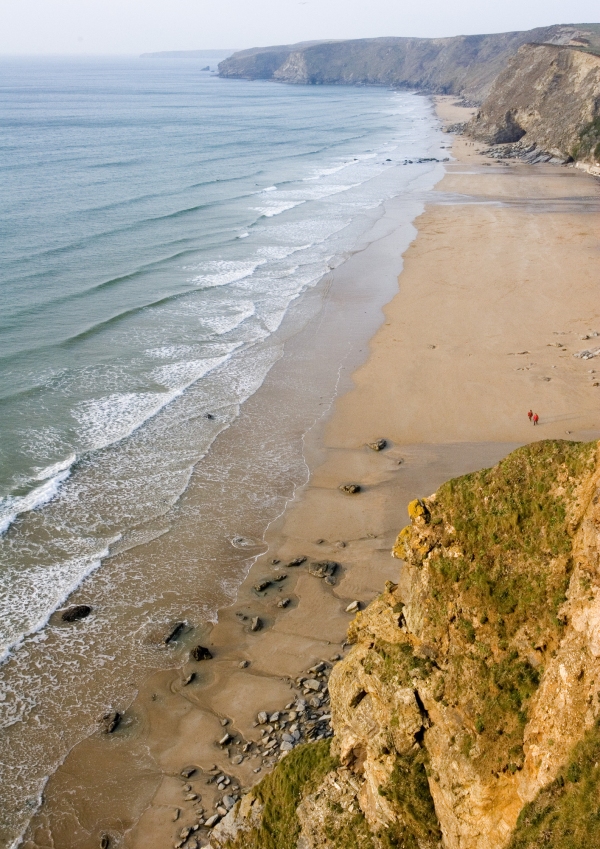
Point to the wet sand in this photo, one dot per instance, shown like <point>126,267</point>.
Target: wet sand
<point>496,292</point>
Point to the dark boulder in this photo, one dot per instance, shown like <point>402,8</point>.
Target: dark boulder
<point>323,568</point>
<point>174,632</point>
<point>200,653</point>
<point>297,561</point>
<point>110,721</point>
<point>76,612</point>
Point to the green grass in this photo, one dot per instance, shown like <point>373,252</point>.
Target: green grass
<point>502,560</point>
<point>408,792</point>
<point>511,527</point>
<point>348,832</point>
<point>566,814</point>
<point>589,141</point>
<point>280,793</point>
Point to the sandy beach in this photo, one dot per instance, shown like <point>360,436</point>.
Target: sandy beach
<point>495,297</point>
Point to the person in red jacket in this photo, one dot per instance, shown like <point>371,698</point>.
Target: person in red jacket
<point>536,419</point>
<point>530,415</point>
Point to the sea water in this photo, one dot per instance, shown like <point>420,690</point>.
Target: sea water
<point>157,223</point>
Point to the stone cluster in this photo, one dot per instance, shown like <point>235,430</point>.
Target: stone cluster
<point>305,719</point>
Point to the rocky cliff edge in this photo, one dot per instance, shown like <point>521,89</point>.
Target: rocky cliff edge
<point>466,714</point>
<point>547,99</point>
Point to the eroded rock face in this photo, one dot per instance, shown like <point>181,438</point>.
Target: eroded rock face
<point>472,681</point>
<point>495,698</point>
<point>548,96</point>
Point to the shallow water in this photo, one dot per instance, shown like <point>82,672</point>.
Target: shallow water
<point>157,224</point>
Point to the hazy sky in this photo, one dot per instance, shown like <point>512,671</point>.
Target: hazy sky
<point>135,26</point>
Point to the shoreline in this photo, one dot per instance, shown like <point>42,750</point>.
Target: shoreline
<point>412,405</point>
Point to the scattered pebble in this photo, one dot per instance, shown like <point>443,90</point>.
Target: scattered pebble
<point>350,488</point>
<point>378,445</point>
<point>297,561</point>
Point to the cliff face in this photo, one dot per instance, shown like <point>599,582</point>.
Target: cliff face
<point>466,714</point>
<point>548,96</point>
<point>465,65</point>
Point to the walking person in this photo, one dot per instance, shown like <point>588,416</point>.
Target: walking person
<point>530,415</point>
<point>536,419</point>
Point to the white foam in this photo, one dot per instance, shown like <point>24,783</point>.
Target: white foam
<point>277,208</point>
<point>169,351</point>
<point>29,598</point>
<point>179,376</point>
<point>225,322</point>
<point>13,506</point>
<point>105,421</point>
<point>56,468</point>
<point>221,272</point>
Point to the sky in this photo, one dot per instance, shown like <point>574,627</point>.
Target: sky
<point>137,26</point>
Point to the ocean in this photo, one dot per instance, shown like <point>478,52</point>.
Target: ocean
<point>161,231</point>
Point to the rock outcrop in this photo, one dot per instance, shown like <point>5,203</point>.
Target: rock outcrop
<point>464,65</point>
<point>466,714</point>
<point>548,98</point>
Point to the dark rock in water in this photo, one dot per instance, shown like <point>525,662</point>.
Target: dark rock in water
<point>275,561</point>
<point>323,568</point>
<point>200,653</point>
<point>105,841</point>
<point>256,624</point>
<point>209,416</point>
<point>281,577</point>
<point>262,585</point>
<point>174,632</point>
<point>205,69</point>
<point>75,613</point>
<point>189,679</point>
<point>378,445</point>
<point>350,488</point>
<point>111,721</point>
<point>297,561</point>
<point>283,602</point>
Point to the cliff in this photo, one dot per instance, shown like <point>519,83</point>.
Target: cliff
<point>548,98</point>
<point>464,65</point>
<point>467,713</point>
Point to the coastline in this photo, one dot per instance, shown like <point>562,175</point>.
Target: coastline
<point>435,385</point>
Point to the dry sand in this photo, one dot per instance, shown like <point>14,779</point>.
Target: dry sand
<point>496,292</point>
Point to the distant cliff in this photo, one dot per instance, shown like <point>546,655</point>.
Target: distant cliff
<point>467,714</point>
<point>547,97</point>
<point>464,65</point>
